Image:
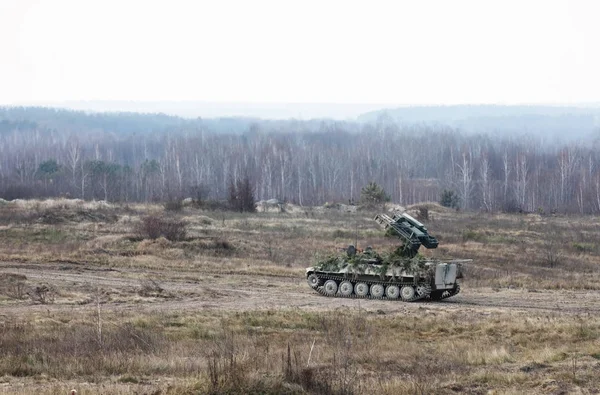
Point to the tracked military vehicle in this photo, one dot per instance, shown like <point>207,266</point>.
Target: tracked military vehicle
<point>403,274</point>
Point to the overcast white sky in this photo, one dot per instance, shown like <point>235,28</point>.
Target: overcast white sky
<point>394,52</point>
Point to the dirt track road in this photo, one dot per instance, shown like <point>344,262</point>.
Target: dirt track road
<point>239,292</point>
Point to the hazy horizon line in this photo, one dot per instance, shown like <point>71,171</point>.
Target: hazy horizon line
<point>191,109</point>
<point>365,103</point>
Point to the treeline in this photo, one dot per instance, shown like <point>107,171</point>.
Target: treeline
<point>307,163</point>
<point>556,122</point>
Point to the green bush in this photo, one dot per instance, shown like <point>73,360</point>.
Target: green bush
<point>450,199</point>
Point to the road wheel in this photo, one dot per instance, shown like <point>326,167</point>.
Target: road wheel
<point>330,288</point>
<point>407,292</point>
<point>392,291</point>
<point>346,288</point>
<point>361,289</point>
<point>377,290</point>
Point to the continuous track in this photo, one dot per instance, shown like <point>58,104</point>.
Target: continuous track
<point>420,291</point>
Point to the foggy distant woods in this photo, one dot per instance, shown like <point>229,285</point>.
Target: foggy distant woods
<point>130,157</point>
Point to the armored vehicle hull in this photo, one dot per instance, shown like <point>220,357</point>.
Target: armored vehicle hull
<point>434,281</point>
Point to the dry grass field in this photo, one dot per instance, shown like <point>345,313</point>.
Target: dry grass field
<point>88,303</point>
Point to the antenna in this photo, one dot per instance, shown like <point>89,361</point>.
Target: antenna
<point>356,234</point>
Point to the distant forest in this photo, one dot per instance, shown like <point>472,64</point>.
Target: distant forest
<point>125,157</point>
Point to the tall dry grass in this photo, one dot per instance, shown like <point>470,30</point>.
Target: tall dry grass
<point>343,352</point>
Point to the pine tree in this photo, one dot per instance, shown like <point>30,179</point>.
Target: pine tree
<point>373,194</point>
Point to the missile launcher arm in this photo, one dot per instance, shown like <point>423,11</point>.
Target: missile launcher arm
<point>412,231</point>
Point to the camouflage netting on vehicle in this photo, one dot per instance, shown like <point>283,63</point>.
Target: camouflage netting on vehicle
<point>359,262</point>
<point>398,259</point>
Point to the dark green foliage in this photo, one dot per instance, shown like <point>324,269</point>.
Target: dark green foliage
<point>359,262</point>
<point>48,168</point>
<point>150,167</point>
<point>373,194</point>
<point>241,196</point>
<point>48,171</point>
<point>398,258</point>
<point>450,199</point>
<point>331,264</point>
<point>101,168</point>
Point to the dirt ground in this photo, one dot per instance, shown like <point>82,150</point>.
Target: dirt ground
<point>215,290</point>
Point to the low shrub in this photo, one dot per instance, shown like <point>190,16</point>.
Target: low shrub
<point>174,205</point>
<point>13,285</point>
<point>154,226</point>
<point>343,234</point>
<point>150,288</point>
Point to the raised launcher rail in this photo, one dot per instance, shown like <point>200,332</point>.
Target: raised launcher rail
<point>413,232</point>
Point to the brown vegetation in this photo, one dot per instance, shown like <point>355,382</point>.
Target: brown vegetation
<point>226,309</point>
<point>154,226</point>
